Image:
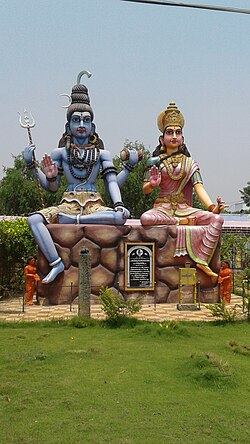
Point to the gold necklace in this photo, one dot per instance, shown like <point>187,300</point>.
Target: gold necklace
<point>174,160</point>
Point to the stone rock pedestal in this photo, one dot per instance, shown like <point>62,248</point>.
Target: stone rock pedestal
<point>106,245</point>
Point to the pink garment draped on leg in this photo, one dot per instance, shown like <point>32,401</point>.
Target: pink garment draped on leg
<point>173,203</point>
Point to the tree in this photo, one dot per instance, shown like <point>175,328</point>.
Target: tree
<point>16,244</point>
<point>234,249</point>
<point>19,194</point>
<point>197,203</point>
<point>246,194</point>
<point>132,195</point>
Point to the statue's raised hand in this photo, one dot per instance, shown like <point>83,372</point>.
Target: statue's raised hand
<point>49,167</point>
<point>28,153</point>
<point>154,176</point>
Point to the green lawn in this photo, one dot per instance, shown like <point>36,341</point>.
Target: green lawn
<point>147,384</point>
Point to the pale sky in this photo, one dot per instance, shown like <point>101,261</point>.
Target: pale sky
<point>141,57</point>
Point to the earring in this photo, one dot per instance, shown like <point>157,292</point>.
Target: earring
<point>68,142</point>
<point>92,138</point>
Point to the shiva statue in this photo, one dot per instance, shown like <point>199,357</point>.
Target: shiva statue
<point>176,174</point>
<point>80,156</point>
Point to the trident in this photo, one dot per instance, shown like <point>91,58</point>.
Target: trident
<point>28,125</point>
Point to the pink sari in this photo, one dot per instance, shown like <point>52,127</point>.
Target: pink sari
<point>173,203</point>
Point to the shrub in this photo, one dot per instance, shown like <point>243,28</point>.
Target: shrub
<point>222,312</point>
<point>115,307</point>
<point>16,244</point>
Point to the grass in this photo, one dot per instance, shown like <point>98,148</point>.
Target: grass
<point>80,382</point>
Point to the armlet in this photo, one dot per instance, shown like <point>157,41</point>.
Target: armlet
<point>196,178</point>
<point>108,170</point>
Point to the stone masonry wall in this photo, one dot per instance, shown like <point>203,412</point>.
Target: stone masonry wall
<point>106,245</point>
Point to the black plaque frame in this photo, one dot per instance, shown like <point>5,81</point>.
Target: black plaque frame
<point>136,265</point>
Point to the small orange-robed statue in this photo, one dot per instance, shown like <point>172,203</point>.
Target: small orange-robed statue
<point>31,278</point>
<point>225,281</point>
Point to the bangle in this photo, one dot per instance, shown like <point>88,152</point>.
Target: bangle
<point>211,208</point>
<point>119,204</point>
<point>51,179</point>
<point>52,264</point>
<point>30,165</point>
<point>129,167</point>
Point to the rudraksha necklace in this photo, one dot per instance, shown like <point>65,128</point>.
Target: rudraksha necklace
<point>82,159</point>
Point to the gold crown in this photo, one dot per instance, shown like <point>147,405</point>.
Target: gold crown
<point>170,117</point>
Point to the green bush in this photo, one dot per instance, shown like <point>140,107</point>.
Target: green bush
<point>222,312</point>
<point>16,244</point>
<point>115,307</point>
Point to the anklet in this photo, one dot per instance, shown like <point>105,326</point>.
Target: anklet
<point>55,262</point>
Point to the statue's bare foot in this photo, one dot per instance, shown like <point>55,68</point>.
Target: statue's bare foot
<point>57,269</point>
<point>207,270</point>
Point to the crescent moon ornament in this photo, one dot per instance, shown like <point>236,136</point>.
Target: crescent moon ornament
<point>82,73</point>
<point>70,100</point>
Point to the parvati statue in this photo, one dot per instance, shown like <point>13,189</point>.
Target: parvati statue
<point>176,174</point>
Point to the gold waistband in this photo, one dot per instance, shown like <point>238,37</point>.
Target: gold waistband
<point>173,198</point>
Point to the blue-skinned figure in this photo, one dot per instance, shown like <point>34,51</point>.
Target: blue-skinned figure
<point>80,157</point>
